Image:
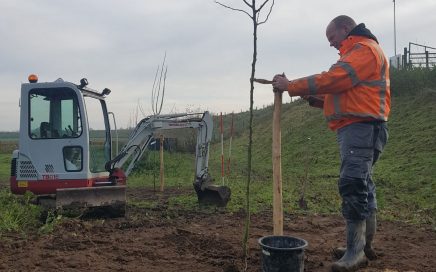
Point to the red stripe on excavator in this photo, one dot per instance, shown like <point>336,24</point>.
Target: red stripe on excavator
<point>41,187</point>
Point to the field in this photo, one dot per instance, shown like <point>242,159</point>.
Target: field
<point>168,231</point>
<point>158,238</point>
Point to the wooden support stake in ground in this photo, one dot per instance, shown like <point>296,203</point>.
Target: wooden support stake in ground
<point>222,147</point>
<point>277,167</point>
<point>161,174</point>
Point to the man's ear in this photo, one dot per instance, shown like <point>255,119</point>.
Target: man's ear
<point>348,28</point>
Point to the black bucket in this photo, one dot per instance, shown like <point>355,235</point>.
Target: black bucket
<point>282,254</point>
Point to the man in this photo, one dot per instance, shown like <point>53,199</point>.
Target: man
<point>355,96</point>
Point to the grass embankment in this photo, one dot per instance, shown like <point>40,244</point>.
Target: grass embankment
<point>405,175</point>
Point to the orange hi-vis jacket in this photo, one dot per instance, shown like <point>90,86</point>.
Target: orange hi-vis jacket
<point>355,89</point>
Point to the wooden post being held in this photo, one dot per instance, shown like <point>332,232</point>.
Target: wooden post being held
<point>277,167</point>
<point>276,161</point>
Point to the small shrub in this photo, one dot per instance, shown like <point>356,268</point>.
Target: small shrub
<point>50,222</point>
<point>17,213</point>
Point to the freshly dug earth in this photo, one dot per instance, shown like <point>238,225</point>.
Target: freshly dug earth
<point>159,239</point>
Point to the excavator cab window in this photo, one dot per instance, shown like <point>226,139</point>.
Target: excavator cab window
<point>54,113</point>
<point>99,134</point>
<point>73,158</point>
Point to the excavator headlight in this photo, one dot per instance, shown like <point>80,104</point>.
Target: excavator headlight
<point>106,91</point>
<point>83,82</point>
<point>33,78</point>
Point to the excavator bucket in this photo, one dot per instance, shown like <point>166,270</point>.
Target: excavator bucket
<point>210,194</point>
<point>105,196</point>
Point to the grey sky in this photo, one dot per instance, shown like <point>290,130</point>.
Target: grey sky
<point>119,44</point>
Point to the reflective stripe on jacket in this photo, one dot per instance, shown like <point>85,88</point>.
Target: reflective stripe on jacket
<point>356,88</point>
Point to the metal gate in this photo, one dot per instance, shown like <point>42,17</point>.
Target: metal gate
<point>418,55</point>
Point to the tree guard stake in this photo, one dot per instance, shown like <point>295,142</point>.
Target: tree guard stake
<point>162,172</point>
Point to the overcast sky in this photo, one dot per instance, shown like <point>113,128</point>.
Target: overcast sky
<point>119,44</point>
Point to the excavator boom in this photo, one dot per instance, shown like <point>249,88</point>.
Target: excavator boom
<point>143,134</point>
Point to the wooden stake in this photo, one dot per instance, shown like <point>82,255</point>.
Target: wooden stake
<point>222,147</point>
<point>277,166</point>
<point>230,148</point>
<point>161,174</point>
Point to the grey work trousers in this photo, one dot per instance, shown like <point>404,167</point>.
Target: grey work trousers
<point>360,146</point>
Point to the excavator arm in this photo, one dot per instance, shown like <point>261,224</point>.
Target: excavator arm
<point>142,136</point>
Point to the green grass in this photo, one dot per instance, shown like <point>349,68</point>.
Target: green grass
<point>16,213</point>
<point>178,170</point>
<point>5,168</point>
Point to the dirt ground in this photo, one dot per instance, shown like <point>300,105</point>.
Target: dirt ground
<point>161,240</point>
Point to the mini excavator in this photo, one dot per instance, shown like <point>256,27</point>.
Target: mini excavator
<point>61,160</point>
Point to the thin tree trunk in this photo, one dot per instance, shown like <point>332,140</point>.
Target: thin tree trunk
<point>256,23</point>
<point>250,137</point>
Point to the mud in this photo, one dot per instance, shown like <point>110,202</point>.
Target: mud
<point>158,239</point>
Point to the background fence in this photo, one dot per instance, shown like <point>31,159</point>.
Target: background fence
<point>417,55</point>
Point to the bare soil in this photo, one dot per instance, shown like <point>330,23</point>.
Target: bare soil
<point>159,239</point>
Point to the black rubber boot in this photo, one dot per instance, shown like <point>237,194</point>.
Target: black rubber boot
<point>354,258</point>
<point>371,228</point>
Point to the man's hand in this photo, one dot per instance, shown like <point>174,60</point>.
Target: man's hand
<point>280,83</point>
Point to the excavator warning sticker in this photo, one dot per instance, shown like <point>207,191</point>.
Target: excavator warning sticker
<point>22,184</point>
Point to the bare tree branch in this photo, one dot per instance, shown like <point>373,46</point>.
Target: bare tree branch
<point>261,6</point>
<point>157,91</point>
<point>248,4</point>
<point>163,89</point>
<point>234,9</point>
<point>141,109</point>
<point>269,12</point>
<point>153,90</point>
